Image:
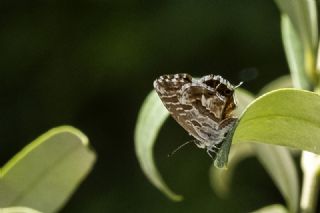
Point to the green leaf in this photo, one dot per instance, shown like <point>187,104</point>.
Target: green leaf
<point>275,208</point>
<point>276,160</point>
<point>46,172</point>
<point>244,98</point>
<point>300,37</point>
<point>281,82</point>
<point>18,210</point>
<point>303,15</point>
<point>150,119</point>
<point>294,53</point>
<point>221,158</point>
<point>279,163</point>
<point>285,117</point>
<point>220,179</point>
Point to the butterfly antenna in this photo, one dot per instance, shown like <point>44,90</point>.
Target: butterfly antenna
<point>179,147</point>
<point>235,87</point>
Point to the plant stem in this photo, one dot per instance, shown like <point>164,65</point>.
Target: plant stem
<point>310,164</point>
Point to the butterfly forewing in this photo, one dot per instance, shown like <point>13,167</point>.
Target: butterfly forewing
<point>168,88</point>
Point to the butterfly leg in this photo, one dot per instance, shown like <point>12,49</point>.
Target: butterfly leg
<point>212,149</point>
<point>199,144</point>
<point>208,151</point>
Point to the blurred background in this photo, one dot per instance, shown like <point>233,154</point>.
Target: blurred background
<point>90,64</point>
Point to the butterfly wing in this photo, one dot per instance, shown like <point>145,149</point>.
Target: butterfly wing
<point>168,87</point>
<point>206,113</point>
<point>194,105</point>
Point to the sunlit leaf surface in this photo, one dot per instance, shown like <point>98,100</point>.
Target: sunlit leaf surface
<point>46,172</point>
<point>276,208</point>
<point>19,209</point>
<point>284,117</point>
<point>151,117</point>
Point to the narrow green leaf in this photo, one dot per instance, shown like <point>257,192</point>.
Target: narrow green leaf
<point>280,165</point>
<point>310,164</point>
<point>46,172</point>
<point>220,179</point>
<point>281,82</point>
<point>276,160</point>
<point>150,119</point>
<point>265,154</point>
<point>18,210</point>
<point>275,208</point>
<point>221,158</point>
<point>303,15</point>
<point>300,29</point>
<point>284,117</point>
<point>294,53</point>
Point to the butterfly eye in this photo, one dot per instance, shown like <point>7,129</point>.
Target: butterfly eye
<point>223,90</point>
<point>227,92</point>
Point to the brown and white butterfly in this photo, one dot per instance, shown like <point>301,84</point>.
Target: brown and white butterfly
<point>203,107</point>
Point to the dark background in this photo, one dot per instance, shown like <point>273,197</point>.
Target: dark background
<point>90,64</point>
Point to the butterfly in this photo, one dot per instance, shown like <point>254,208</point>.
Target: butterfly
<point>203,107</point>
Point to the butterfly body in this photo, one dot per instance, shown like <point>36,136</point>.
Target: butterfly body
<point>203,107</point>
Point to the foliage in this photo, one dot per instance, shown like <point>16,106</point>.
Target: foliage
<point>284,117</point>
<point>46,172</point>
